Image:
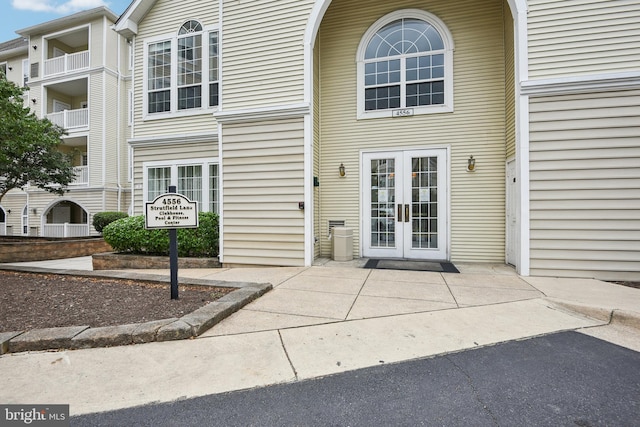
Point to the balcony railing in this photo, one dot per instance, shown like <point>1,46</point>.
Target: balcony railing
<point>65,230</point>
<point>66,63</point>
<point>82,175</point>
<point>70,119</point>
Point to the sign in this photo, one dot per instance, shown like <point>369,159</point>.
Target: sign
<point>403,112</point>
<point>171,210</point>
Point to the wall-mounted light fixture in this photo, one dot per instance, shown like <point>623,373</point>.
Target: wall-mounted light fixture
<point>35,47</point>
<point>34,100</point>
<point>341,170</point>
<point>8,211</point>
<point>35,211</point>
<point>10,68</point>
<point>471,164</point>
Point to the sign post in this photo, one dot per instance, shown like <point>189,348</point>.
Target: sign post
<point>171,211</point>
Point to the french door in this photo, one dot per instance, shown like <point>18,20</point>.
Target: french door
<point>404,210</point>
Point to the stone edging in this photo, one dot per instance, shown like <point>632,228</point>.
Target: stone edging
<point>188,326</point>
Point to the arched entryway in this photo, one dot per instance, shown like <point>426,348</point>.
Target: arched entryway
<point>482,121</point>
<point>65,219</point>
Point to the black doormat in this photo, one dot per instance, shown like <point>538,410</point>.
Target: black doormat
<point>402,264</point>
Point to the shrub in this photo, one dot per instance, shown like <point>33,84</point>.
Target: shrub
<point>129,235</point>
<point>102,219</point>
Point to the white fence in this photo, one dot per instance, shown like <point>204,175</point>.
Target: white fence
<point>65,230</point>
<point>70,119</point>
<point>66,63</point>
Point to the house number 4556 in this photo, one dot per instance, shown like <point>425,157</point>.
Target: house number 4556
<point>404,112</point>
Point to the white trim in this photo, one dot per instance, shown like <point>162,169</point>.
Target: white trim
<point>219,135</point>
<point>581,84</point>
<point>264,113</point>
<point>519,13</point>
<point>308,194</point>
<point>449,47</point>
<point>186,138</point>
<point>522,175</point>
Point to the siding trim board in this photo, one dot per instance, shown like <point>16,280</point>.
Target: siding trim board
<point>581,84</point>
<point>264,113</point>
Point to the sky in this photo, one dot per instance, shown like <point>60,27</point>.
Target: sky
<point>19,14</point>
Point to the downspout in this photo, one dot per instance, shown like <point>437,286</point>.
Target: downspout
<point>118,123</point>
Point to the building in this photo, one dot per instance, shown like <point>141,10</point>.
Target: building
<point>77,70</point>
<point>480,131</point>
<point>471,131</point>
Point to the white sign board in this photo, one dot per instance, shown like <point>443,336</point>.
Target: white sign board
<point>171,210</point>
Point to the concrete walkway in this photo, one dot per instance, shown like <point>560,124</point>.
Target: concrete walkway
<point>326,319</point>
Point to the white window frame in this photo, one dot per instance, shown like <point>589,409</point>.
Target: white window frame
<point>205,84</point>
<point>174,165</point>
<point>447,39</point>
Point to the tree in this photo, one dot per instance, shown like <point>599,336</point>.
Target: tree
<point>29,146</point>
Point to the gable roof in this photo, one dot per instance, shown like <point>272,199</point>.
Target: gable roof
<point>127,24</point>
<point>13,47</point>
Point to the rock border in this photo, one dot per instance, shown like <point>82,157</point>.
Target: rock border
<point>188,326</point>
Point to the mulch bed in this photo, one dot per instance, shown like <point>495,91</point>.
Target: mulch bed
<point>34,300</point>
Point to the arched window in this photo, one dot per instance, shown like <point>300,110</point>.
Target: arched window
<point>405,66</point>
<point>182,71</point>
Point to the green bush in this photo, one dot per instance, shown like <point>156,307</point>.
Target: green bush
<point>102,219</point>
<point>129,235</point>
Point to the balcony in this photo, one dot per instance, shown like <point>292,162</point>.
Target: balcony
<point>66,63</point>
<point>82,175</point>
<point>70,119</point>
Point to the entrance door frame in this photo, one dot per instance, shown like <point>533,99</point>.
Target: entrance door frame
<point>446,199</point>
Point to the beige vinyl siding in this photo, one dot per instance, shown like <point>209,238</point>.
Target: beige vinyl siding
<point>170,153</point>
<point>570,37</point>
<point>510,90</point>
<point>585,185</point>
<point>263,61</point>
<point>97,54</point>
<point>263,178</point>
<point>96,119</point>
<point>476,127</point>
<point>166,18</point>
<point>110,122</point>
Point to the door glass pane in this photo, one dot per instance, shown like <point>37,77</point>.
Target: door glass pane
<point>424,203</point>
<point>383,199</point>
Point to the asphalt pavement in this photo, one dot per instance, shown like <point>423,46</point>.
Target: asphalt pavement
<point>563,379</point>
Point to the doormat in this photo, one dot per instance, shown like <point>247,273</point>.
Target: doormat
<point>402,264</point>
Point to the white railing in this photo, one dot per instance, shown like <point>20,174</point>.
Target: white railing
<point>82,175</point>
<point>70,119</point>
<point>66,63</point>
<point>66,230</point>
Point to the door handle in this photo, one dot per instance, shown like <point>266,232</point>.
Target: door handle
<point>406,213</point>
<point>399,213</point>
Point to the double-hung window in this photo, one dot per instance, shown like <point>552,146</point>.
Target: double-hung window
<point>405,66</point>
<point>181,71</point>
<point>196,179</point>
